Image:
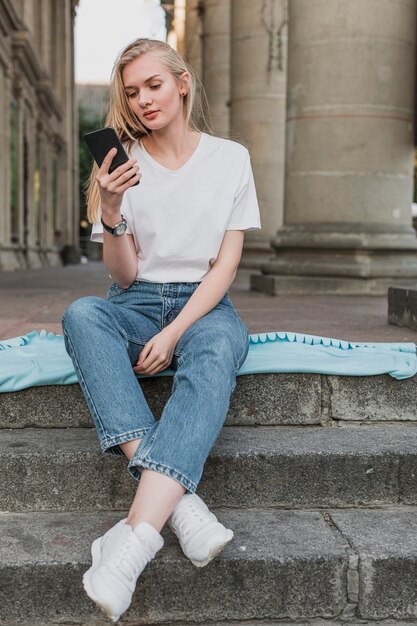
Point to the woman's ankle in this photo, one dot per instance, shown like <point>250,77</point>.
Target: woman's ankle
<point>129,447</point>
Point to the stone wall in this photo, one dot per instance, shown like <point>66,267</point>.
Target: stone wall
<point>39,160</point>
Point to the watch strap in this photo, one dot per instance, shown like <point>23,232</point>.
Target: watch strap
<point>112,229</point>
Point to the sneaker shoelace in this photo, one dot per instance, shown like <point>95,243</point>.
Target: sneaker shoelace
<point>130,560</point>
<point>187,523</point>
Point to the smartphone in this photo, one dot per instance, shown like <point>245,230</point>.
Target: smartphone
<point>100,142</point>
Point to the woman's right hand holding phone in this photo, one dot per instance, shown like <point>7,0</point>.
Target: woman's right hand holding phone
<point>112,186</point>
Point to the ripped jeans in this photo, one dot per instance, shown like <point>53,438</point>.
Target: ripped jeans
<point>104,338</point>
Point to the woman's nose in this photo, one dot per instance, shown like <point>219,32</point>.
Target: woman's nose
<point>144,100</point>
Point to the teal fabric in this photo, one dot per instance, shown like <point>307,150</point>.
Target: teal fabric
<point>40,358</point>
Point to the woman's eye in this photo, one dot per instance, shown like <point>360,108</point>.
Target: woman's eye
<point>134,94</point>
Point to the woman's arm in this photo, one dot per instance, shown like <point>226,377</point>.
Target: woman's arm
<point>119,256</point>
<point>214,285</point>
<point>119,253</point>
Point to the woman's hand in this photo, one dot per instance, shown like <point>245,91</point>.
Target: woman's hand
<point>112,186</point>
<point>157,354</point>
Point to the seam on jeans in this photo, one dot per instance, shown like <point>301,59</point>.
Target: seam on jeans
<point>83,383</point>
<point>132,340</point>
<point>109,442</point>
<point>161,325</point>
<point>164,469</point>
<point>141,343</point>
<point>244,353</point>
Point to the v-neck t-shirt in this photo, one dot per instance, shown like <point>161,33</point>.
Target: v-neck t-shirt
<point>178,218</point>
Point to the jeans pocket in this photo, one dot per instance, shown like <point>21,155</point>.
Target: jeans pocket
<point>115,290</point>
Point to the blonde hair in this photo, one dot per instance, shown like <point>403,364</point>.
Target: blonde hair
<point>126,124</point>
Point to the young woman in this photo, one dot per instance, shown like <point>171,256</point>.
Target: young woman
<point>172,245</point>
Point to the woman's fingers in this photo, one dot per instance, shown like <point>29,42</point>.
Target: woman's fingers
<point>152,364</point>
<point>104,168</point>
<point>129,183</point>
<point>124,171</point>
<point>120,175</point>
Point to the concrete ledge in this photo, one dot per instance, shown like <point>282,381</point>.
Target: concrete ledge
<point>275,466</point>
<point>259,399</point>
<point>371,398</point>
<point>280,565</point>
<point>402,306</point>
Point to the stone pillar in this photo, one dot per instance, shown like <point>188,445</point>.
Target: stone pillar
<point>216,62</point>
<point>32,128</point>
<point>349,150</point>
<point>71,251</point>
<point>258,86</point>
<point>4,157</point>
<point>179,26</point>
<point>192,35</point>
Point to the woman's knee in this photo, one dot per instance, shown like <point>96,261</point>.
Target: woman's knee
<point>82,311</point>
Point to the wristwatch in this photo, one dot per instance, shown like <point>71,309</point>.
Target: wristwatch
<point>116,230</point>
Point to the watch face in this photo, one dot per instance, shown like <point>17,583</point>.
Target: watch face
<point>120,228</point>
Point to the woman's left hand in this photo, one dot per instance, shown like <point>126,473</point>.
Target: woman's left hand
<point>157,354</point>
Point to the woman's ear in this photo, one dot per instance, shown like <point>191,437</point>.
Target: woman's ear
<point>184,83</point>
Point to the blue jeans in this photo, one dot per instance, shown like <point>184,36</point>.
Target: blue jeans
<point>104,338</point>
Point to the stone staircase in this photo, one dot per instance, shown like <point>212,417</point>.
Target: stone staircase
<point>317,476</point>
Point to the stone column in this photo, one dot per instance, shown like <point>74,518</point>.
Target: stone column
<point>258,86</point>
<point>192,35</point>
<point>349,150</point>
<point>179,25</point>
<point>32,127</point>
<point>71,251</point>
<point>216,62</point>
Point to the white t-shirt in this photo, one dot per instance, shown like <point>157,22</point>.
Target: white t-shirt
<point>178,218</point>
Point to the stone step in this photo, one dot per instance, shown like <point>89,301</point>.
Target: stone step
<point>259,399</point>
<point>297,566</point>
<point>275,466</point>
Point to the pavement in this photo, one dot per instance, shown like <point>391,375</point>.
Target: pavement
<point>36,299</point>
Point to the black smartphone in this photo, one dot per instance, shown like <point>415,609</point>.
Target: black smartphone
<point>101,141</point>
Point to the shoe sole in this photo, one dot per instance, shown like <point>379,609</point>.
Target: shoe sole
<point>215,550</point>
<point>95,554</point>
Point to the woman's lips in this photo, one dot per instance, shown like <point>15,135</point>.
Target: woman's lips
<point>150,116</point>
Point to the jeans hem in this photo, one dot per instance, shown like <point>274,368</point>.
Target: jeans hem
<point>108,443</point>
<point>163,469</point>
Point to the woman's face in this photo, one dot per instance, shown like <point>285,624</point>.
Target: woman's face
<point>149,86</point>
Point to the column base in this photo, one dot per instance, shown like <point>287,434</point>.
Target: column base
<point>12,259</point>
<point>53,257</point>
<point>328,258</point>
<point>257,250</point>
<point>325,285</point>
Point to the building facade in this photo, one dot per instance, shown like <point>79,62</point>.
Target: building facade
<point>39,212</point>
<point>323,95</point>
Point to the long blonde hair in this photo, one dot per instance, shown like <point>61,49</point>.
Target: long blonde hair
<point>127,126</point>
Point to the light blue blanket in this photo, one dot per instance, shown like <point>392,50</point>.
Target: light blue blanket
<point>40,358</point>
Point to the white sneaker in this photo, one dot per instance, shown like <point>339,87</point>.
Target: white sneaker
<point>119,556</point>
<point>200,534</point>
